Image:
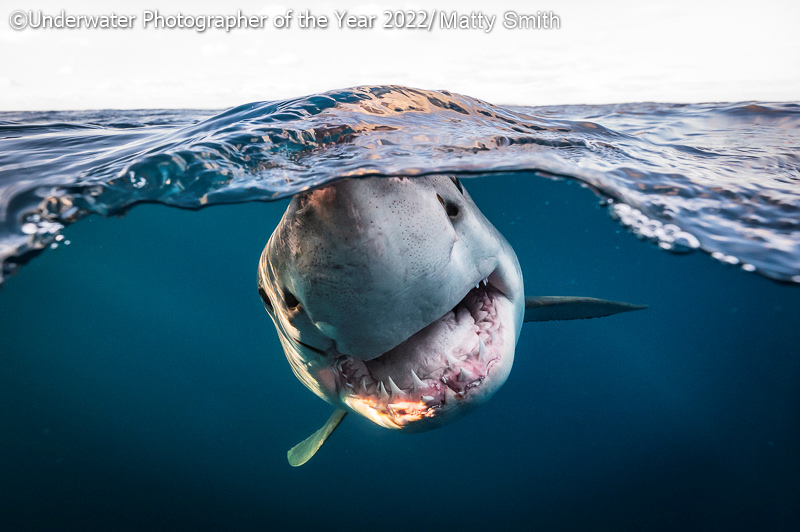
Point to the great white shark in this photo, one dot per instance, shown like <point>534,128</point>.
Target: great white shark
<point>396,299</point>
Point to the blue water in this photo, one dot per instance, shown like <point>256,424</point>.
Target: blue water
<point>145,388</point>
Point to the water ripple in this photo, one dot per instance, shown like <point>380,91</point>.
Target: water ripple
<point>721,177</point>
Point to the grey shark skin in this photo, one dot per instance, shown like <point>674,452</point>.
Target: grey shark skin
<point>396,299</point>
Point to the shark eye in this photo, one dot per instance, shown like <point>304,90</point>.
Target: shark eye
<point>264,297</point>
<point>451,208</point>
<point>290,299</point>
<point>457,183</point>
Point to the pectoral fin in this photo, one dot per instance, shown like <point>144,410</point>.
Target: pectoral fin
<point>303,451</point>
<point>546,308</point>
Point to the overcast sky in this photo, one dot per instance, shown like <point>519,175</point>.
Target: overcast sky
<point>604,52</point>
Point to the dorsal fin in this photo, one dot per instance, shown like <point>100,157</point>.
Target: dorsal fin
<point>547,308</point>
<point>303,451</point>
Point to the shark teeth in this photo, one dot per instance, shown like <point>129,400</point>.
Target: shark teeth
<point>459,367</point>
<point>417,381</point>
<point>393,387</point>
<point>451,360</point>
<point>484,282</point>
<point>481,349</point>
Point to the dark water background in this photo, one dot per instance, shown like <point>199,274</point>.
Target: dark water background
<point>144,387</point>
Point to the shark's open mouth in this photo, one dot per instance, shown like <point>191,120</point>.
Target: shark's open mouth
<point>434,369</point>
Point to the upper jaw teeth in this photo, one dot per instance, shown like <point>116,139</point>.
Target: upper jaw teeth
<point>484,282</point>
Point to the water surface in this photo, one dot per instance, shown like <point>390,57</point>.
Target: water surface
<point>723,177</point>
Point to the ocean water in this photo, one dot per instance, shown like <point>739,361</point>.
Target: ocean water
<point>145,388</point>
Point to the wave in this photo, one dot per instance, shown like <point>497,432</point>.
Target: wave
<point>724,178</point>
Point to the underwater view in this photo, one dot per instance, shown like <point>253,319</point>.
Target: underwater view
<point>146,388</point>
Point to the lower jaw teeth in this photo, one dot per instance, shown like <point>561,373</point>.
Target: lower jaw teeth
<point>387,390</point>
<point>481,349</point>
<point>461,375</point>
<point>416,380</point>
<point>394,389</point>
